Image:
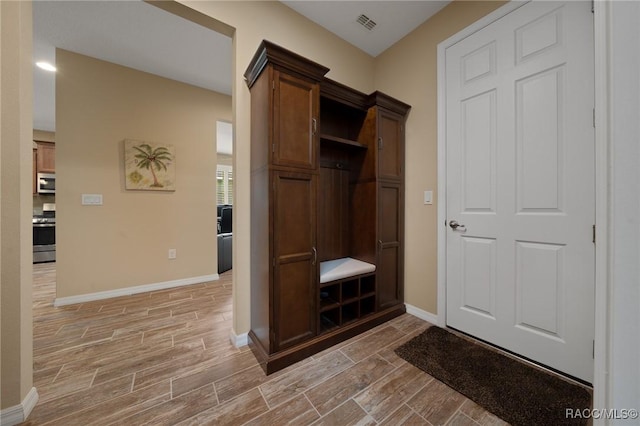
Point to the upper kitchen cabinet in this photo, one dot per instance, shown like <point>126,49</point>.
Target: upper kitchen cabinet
<point>35,171</point>
<point>46,157</point>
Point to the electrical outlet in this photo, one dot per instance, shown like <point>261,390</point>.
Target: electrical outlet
<point>173,253</point>
<point>91,199</point>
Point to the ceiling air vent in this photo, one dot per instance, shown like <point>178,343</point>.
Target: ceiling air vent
<point>366,22</point>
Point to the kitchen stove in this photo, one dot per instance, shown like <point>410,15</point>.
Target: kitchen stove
<point>44,235</point>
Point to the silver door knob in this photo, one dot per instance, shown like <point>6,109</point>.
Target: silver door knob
<point>456,226</point>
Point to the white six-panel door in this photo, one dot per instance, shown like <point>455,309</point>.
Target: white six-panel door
<point>520,182</point>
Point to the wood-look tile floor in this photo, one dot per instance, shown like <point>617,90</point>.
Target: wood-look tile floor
<point>165,358</point>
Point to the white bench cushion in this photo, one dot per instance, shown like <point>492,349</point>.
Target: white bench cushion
<point>337,269</point>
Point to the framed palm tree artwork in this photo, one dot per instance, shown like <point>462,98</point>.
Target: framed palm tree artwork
<point>149,166</point>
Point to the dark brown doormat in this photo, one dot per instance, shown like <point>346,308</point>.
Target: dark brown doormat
<point>514,391</point>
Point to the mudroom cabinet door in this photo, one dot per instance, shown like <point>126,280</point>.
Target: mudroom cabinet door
<point>390,246</point>
<point>390,145</point>
<point>295,258</point>
<point>296,104</point>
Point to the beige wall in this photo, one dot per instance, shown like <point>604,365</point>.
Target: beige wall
<point>250,23</point>
<point>407,71</point>
<point>16,335</point>
<point>124,242</point>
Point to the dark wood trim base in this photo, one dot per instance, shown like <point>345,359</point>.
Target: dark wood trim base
<point>278,361</point>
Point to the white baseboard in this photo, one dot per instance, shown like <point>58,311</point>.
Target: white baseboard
<point>423,315</point>
<point>30,401</point>
<point>239,340</point>
<point>128,291</point>
<point>19,413</point>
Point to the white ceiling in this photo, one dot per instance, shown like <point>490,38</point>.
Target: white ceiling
<point>394,19</point>
<point>130,33</point>
<point>141,36</point>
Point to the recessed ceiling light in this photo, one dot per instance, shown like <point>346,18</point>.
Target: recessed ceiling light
<point>46,66</point>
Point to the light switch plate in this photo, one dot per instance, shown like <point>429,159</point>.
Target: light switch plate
<point>428,197</point>
<point>91,199</point>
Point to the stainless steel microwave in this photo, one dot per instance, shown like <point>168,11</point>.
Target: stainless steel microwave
<point>46,183</point>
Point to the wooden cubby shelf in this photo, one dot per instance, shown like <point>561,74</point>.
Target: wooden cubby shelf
<point>342,141</point>
<point>345,300</point>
